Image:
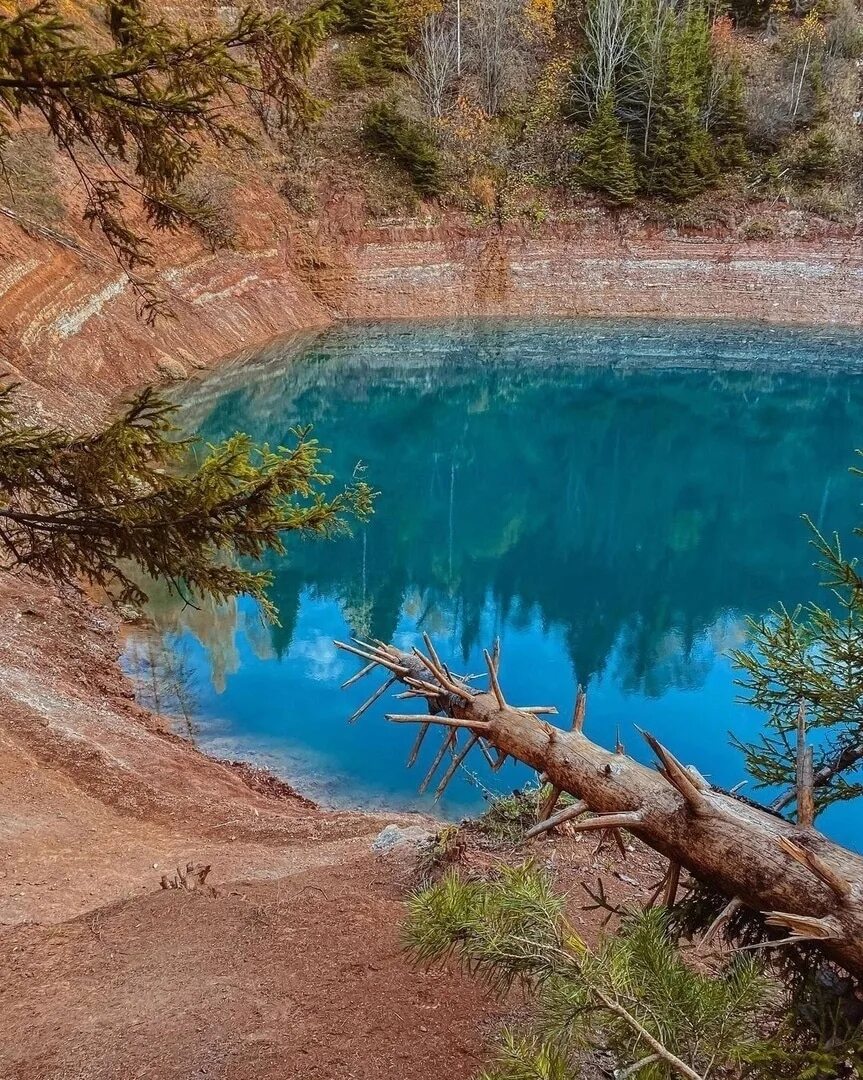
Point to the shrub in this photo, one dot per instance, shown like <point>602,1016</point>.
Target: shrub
<point>767,110</point>
<point>815,158</point>
<point>845,31</point>
<point>408,142</point>
<point>759,229</point>
<point>827,202</point>
<point>360,66</point>
<point>510,816</point>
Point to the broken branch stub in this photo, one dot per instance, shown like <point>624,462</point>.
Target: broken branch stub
<point>741,850</point>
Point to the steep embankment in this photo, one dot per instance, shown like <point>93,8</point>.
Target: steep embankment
<point>71,330</point>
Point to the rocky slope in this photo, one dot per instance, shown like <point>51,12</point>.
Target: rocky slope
<point>72,333</point>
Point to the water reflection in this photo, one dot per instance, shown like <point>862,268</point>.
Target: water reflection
<point>612,500</point>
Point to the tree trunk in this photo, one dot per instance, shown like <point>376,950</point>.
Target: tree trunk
<point>802,881</point>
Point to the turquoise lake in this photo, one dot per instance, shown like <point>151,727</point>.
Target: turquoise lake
<point>610,499</point>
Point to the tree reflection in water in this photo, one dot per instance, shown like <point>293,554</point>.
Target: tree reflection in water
<point>623,493</point>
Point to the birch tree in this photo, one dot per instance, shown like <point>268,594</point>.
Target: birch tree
<point>434,66</point>
<point>612,41</point>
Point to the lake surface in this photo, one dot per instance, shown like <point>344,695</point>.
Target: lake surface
<point>610,499</point>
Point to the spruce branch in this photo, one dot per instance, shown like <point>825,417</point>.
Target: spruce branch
<point>147,103</point>
<point>95,506</point>
<point>634,994</point>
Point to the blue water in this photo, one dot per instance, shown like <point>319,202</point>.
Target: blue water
<point>610,499</point>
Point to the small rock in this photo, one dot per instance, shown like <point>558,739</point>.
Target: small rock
<point>394,836</point>
<point>129,613</point>
<point>172,368</point>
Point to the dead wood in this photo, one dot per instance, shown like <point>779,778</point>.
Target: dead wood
<point>802,881</point>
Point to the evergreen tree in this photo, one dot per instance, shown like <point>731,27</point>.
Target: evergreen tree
<point>388,32</point>
<point>407,141</point>
<point>679,158</point>
<point>606,165</point>
<point>96,506</point>
<point>385,26</point>
<point>804,669</point>
<point>817,158</point>
<point>149,98</point>
<point>92,506</point>
<point>728,122</point>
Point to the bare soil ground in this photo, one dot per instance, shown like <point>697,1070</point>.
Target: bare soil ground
<point>290,966</point>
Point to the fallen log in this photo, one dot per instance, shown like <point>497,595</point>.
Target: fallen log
<point>802,881</point>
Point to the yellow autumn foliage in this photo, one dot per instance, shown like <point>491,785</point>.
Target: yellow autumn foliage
<point>539,19</point>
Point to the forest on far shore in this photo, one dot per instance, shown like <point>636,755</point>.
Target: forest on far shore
<point>516,108</point>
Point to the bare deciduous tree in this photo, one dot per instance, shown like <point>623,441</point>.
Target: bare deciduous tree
<point>612,40</point>
<point>649,51</point>
<point>497,42</point>
<point>434,67</point>
<point>808,44</point>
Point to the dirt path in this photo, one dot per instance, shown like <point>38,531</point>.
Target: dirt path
<point>291,967</point>
<point>297,978</point>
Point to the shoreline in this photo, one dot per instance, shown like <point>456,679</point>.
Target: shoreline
<point>75,725</point>
<point>73,339</point>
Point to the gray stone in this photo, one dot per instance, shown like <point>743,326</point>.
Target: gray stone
<point>394,836</point>
<point>172,369</point>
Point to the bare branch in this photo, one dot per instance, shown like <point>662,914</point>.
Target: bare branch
<point>361,674</point>
<point>678,776</point>
<point>457,760</point>
<point>568,813</point>
<point>449,740</point>
<point>627,819</point>
<point>444,721</point>
<point>720,920</point>
<point>367,704</point>
<point>580,709</point>
<point>493,679</point>
<point>415,749</point>
<point>805,774</point>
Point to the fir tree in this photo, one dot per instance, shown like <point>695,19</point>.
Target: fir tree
<point>384,46</point>
<point>149,98</point>
<point>128,499</point>
<point>728,122</point>
<point>93,506</point>
<point>606,165</point>
<point>385,25</point>
<point>817,158</point>
<point>408,142</point>
<point>679,158</point>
